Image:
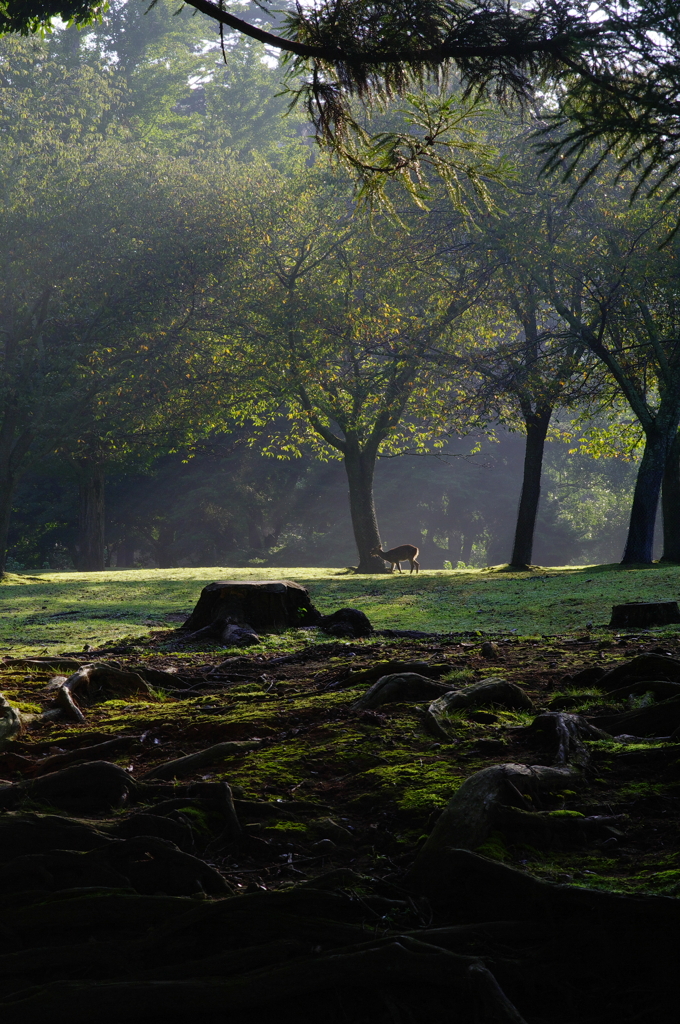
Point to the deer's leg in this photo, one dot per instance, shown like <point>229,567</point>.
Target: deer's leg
<point>398,565</point>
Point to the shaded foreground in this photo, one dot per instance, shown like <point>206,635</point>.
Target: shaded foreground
<point>279,837</point>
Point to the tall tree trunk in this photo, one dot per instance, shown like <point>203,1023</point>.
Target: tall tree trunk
<point>537,424</point>
<point>670,503</point>
<point>91,517</point>
<point>6,495</point>
<point>360,468</point>
<point>640,541</point>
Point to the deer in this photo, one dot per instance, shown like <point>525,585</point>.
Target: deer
<point>404,553</point>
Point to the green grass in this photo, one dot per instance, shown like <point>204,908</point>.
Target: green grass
<point>54,612</point>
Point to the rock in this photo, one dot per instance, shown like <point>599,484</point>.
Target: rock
<point>490,650</point>
<point>346,622</point>
<point>264,606</point>
<point>644,613</point>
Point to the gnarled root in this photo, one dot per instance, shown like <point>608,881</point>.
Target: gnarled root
<point>561,736</point>
<point>473,813</point>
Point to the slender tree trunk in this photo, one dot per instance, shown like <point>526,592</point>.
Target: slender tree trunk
<point>537,424</point>
<point>670,503</point>
<point>360,468</point>
<point>91,517</point>
<point>640,542</point>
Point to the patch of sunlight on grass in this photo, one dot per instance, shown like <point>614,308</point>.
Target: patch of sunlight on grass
<point>54,612</point>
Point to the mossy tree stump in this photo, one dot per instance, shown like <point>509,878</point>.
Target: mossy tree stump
<point>267,606</point>
<point>643,614</point>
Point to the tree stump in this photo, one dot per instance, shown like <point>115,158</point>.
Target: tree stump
<point>266,606</point>
<point>644,613</point>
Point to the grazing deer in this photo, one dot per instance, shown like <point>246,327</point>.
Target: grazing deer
<point>404,553</point>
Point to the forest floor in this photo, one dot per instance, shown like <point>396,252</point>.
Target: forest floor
<point>328,787</point>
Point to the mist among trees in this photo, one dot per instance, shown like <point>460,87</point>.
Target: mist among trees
<point>226,344</point>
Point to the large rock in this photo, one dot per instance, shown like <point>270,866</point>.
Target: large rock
<point>266,606</point>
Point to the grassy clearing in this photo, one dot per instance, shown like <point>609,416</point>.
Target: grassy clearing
<point>54,612</point>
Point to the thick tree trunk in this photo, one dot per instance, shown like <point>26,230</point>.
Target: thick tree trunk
<point>640,542</point>
<point>91,517</point>
<point>360,468</point>
<point>537,424</point>
<point>670,504</point>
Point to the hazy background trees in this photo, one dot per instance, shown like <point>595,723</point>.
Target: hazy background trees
<point>196,314</point>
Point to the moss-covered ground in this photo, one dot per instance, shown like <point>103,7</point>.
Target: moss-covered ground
<point>359,788</point>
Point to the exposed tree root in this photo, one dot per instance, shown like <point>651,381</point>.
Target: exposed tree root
<point>492,692</point>
<point>401,687</point>
<point>661,719</point>
<point>91,788</point>
<point>134,916</point>
<point>560,737</point>
<point>645,666</point>
<point>186,765</point>
<point>474,812</point>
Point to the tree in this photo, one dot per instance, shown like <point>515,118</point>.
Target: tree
<point>611,69</point>
<point>340,334</point>
<point>600,264</point>
<point>49,131</point>
<point>107,248</point>
<point>527,369</point>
